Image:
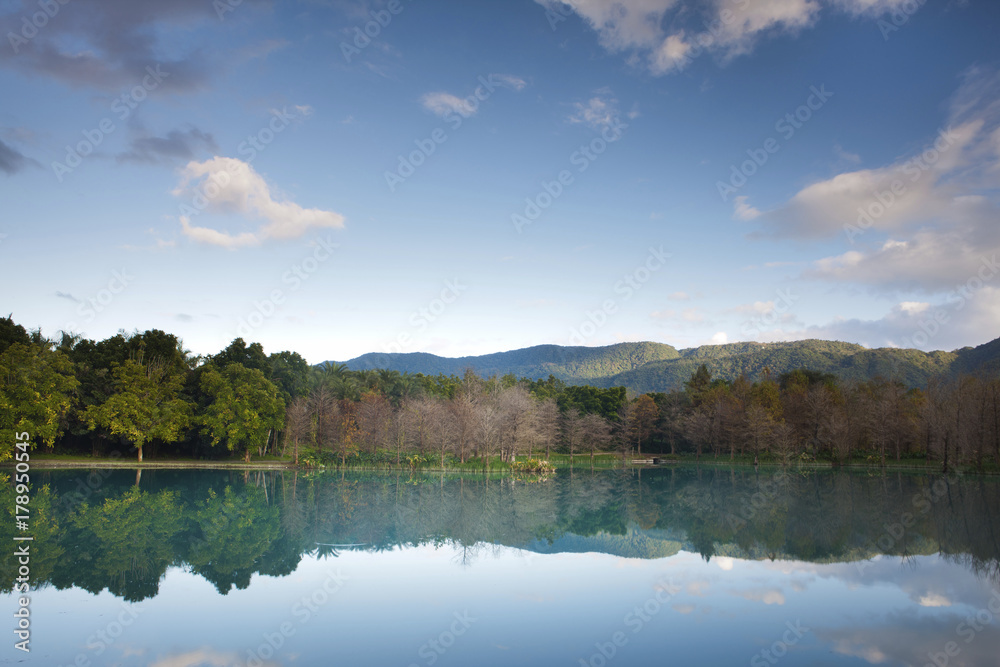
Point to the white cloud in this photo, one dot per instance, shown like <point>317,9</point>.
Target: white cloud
<point>515,83</point>
<point>958,320</point>
<point>925,222</point>
<point>622,25</point>
<point>871,7</point>
<point>934,600</point>
<point>755,308</point>
<point>670,55</point>
<point>743,210</point>
<point>228,185</point>
<point>599,112</point>
<point>724,28</point>
<point>444,104</point>
<point>720,338</point>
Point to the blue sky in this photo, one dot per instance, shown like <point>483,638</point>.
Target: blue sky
<point>485,176</point>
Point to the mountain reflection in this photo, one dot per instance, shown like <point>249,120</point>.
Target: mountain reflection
<point>226,526</point>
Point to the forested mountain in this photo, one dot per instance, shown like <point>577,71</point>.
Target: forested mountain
<point>656,367</point>
<point>582,365</point>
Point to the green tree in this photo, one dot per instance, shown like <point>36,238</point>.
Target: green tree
<point>11,333</point>
<point>250,356</point>
<point>245,408</point>
<point>36,386</point>
<point>290,371</point>
<point>699,383</point>
<point>146,405</point>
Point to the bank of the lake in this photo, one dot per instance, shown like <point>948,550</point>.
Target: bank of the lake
<point>416,462</point>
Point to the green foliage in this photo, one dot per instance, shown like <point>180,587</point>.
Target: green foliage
<point>243,518</point>
<point>245,407</point>
<point>146,405</point>
<point>250,356</point>
<point>134,532</point>
<point>532,465</point>
<point>593,400</point>
<point>290,372</point>
<point>36,384</point>
<point>654,367</point>
<point>11,333</point>
<point>580,365</point>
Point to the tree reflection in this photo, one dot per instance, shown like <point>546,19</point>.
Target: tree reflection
<point>226,527</point>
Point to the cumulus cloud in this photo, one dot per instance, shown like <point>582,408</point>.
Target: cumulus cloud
<point>109,43</point>
<point>963,317</point>
<point>230,186</point>
<point>925,222</point>
<point>723,28</point>
<point>177,145</point>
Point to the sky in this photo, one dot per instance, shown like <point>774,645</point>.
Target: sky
<point>348,176</point>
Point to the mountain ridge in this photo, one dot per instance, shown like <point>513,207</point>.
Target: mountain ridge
<point>649,366</point>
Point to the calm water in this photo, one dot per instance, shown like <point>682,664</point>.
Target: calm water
<point>673,567</point>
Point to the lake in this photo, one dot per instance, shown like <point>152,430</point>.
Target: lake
<point>683,566</point>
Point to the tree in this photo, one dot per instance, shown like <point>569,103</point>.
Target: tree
<point>373,415</point>
<point>11,333</point>
<point>516,421</point>
<point>146,405</point>
<point>245,409</point>
<point>596,433</point>
<point>298,424</point>
<point>290,372</point>
<point>547,423</point>
<point>249,356</point>
<point>572,431</point>
<point>699,383</point>
<point>323,411</point>
<point>36,386</point>
<point>644,416</point>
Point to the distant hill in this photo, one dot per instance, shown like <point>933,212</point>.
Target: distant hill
<point>645,367</point>
<point>580,365</point>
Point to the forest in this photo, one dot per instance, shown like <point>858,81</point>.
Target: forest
<point>139,394</point>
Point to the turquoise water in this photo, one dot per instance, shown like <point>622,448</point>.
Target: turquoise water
<point>683,566</point>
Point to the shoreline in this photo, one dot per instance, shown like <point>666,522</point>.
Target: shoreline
<point>43,464</point>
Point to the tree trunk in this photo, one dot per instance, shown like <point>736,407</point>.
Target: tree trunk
<point>139,447</point>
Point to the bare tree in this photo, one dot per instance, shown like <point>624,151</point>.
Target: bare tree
<point>373,414</point>
<point>323,408</point>
<point>547,424</point>
<point>298,424</point>
<point>516,427</point>
<point>572,431</point>
<point>596,433</point>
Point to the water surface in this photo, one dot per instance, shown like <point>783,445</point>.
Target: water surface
<point>683,566</point>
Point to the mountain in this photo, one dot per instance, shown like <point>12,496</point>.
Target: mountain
<point>579,365</point>
<point>645,367</point>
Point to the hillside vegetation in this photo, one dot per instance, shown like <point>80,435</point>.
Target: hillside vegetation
<point>574,365</point>
<point>656,367</point>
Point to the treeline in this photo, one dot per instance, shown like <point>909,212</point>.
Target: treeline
<point>143,390</point>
